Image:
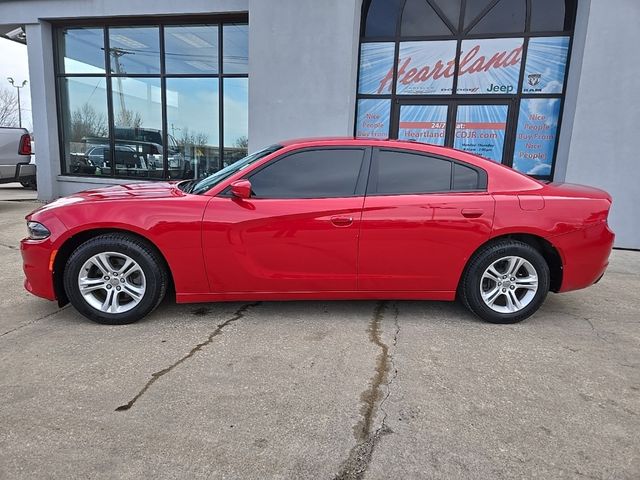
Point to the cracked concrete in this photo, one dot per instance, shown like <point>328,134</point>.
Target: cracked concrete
<point>34,321</point>
<point>278,393</point>
<point>357,463</point>
<point>237,315</point>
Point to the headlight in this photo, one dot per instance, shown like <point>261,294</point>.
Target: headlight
<point>37,231</point>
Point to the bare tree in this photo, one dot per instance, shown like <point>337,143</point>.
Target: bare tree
<point>242,142</point>
<point>198,139</point>
<point>8,108</point>
<point>185,137</point>
<point>86,122</point>
<point>129,118</point>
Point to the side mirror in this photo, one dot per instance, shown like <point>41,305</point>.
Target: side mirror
<point>241,189</point>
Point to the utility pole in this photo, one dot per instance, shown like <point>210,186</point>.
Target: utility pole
<point>116,53</point>
<point>18,87</point>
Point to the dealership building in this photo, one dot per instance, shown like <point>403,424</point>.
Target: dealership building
<point>128,91</point>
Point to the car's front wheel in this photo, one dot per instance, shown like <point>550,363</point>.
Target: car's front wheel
<point>505,282</point>
<point>115,279</point>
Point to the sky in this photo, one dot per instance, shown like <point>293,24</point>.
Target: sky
<point>13,63</point>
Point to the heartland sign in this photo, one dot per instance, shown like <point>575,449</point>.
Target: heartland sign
<point>427,68</point>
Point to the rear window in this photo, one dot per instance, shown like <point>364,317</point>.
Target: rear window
<point>465,178</point>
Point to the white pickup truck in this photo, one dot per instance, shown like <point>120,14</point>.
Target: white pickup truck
<point>15,157</point>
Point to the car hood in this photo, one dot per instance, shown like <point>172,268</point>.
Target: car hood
<point>133,190</point>
<point>150,190</point>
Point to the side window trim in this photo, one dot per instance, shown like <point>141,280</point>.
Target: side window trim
<point>361,182</point>
<point>372,187</point>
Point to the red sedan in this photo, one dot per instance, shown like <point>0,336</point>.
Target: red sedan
<point>323,219</point>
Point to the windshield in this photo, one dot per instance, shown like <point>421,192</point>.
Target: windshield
<point>198,187</point>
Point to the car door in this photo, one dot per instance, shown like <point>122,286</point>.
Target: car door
<point>299,230</point>
<point>422,219</point>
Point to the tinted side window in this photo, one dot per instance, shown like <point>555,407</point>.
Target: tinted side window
<point>402,172</point>
<point>310,174</point>
<point>465,178</point>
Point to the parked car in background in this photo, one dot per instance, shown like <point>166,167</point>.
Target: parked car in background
<point>16,164</point>
<point>138,152</point>
<point>324,219</point>
<point>100,155</point>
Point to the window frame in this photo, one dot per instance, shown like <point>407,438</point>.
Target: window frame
<point>459,34</point>
<point>372,187</point>
<point>361,182</point>
<point>219,20</point>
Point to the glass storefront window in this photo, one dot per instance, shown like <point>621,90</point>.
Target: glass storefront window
<point>536,135</point>
<point>480,129</point>
<point>81,50</point>
<point>137,108</point>
<point>134,50</point>
<point>461,73</point>
<point>85,125</point>
<point>423,123</point>
<point>376,68</point>
<point>191,49</point>
<point>235,48</point>
<point>236,120</point>
<point>156,115</point>
<point>546,65</point>
<point>373,119</point>
<point>192,121</point>
<point>426,68</point>
<point>419,18</point>
<point>490,66</point>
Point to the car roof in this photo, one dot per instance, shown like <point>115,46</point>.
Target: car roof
<point>382,143</point>
<point>337,140</point>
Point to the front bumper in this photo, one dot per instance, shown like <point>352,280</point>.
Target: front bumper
<point>585,256</point>
<point>37,259</point>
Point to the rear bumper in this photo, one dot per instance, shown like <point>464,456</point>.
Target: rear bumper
<point>585,256</point>
<point>21,172</point>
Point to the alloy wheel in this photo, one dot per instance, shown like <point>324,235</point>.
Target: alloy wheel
<point>509,284</point>
<point>112,282</point>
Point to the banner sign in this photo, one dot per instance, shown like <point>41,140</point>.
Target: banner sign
<point>373,119</point>
<point>490,66</point>
<point>536,135</point>
<point>546,65</point>
<point>376,59</point>
<point>425,68</point>
<point>423,123</point>
<point>480,129</point>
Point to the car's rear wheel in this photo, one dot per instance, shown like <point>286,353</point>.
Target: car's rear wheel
<point>505,282</point>
<point>115,279</point>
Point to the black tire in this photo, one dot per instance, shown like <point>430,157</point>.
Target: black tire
<point>137,249</point>
<point>470,284</point>
<point>31,184</point>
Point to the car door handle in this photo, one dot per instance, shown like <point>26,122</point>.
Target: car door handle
<point>472,212</point>
<point>342,221</point>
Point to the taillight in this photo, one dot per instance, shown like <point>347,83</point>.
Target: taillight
<point>25,145</point>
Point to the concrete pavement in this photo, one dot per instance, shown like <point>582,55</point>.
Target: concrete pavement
<point>320,389</point>
<point>16,192</point>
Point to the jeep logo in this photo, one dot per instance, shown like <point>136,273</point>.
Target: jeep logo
<point>500,88</point>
